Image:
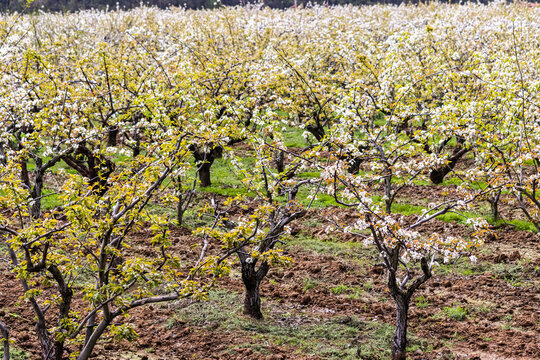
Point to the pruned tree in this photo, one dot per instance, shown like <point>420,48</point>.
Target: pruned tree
<point>393,161</point>
<point>254,237</point>
<point>92,240</point>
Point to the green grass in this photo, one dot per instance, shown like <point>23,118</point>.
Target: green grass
<point>421,302</point>
<point>309,283</point>
<point>457,313</point>
<point>376,345</point>
<point>50,200</point>
<point>338,337</point>
<point>511,273</point>
<point>482,309</point>
<point>309,175</point>
<point>352,292</point>
<point>463,266</point>
<point>403,208</point>
<point>518,224</point>
<point>293,137</point>
<point>321,200</point>
<point>353,250</point>
<point>339,289</point>
<point>229,192</point>
<point>226,183</point>
<point>15,353</point>
<point>328,338</point>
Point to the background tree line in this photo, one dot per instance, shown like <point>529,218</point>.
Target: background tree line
<point>74,5</point>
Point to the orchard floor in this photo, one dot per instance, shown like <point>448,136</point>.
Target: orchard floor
<point>332,303</point>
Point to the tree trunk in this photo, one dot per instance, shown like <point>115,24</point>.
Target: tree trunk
<point>279,160</point>
<point>47,348</point>
<point>58,350</point>
<point>252,302</point>
<point>388,192</point>
<point>354,166</point>
<point>65,305</point>
<point>5,339</point>
<point>35,208</point>
<point>92,340</point>
<point>437,175</point>
<point>90,325</point>
<point>180,210</point>
<point>399,343</point>
<point>316,129</point>
<point>137,146</point>
<point>204,161</point>
<point>204,174</point>
<point>113,136</point>
<point>494,204</point>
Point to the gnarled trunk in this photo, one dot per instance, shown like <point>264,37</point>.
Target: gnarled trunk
<point>91,342</point>
<point>316,130</point>
<point>112,140</point>
<point>48,351</point>
<point>204,174</point>
<point>252,301</point>
<point>399,343</point>
<point>90,326</point>
<point>354,166</point>
<point>437,175</point>
<point>204,161</point>
<point>279,160</point>
<point>5,339</point>
<point>95,167</point>
<point>64,307</point>
<point>494,204</point>
<point>252,277</point>
<point>180,210</point>
<point>402,298</point>
<point>37,190</point>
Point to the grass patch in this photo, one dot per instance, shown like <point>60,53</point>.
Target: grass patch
<point>15,353</point>
<point>511,273</point>
<point>421,302</point>
<point>352,292</point>
<point>462,266</point>
<point>457,313</point>
<point>338,337</point>
<point>309,283</point>
<point>292,137</point>
<point>518,224</point>
<point>377,344</point>
<point>353,250</point>
<point>328,338</point>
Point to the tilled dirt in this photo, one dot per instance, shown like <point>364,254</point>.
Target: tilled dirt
<point>501,298</point>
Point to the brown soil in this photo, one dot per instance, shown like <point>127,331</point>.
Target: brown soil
<point>501,296</point>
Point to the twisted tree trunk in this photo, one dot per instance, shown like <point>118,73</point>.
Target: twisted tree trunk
<point>5,339</point>
<point>252,279</point>
<point>112,139</point>
<point>494,204</point>
<point>399,343</point>
<point>204,174</point>
<point>437,175</point>
<point>204,161</point>
<point>252,300</point>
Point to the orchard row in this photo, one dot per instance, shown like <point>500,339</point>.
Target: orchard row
<point>111,122</point>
